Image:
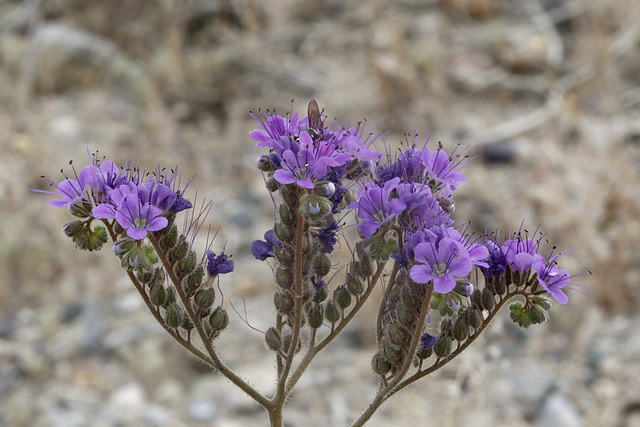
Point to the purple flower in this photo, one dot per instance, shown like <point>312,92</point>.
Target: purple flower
<point>374,206</point>
<point>263,249</point>
<point>552,279</point>
<point>138,218</point>
<point>427,341</point>
<point>443,169</point>
<point>496,262</point>
<point>220,264</point>
<point>71,191</point>
<point>521,254</point>
<point>299,169</point>
<point>440,261</point>
<point>327,236</point>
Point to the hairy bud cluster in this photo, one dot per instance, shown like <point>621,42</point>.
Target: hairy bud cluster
<point>405,302</point>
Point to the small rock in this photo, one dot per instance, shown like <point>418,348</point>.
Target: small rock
<point>201,410</point>
<point>557,411</point>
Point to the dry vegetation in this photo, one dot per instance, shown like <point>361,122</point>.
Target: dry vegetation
<point>545,92</point>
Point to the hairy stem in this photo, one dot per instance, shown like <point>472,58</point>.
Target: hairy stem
<point>206,341</point>
<point>388,387</point>
<point>314,350</point>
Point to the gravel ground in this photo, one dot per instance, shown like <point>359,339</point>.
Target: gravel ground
<point>544,92</point>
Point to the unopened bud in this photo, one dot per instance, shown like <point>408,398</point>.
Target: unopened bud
<point>391,351</point>
<point>284,277</point>
<point>488,303</point>
<point>398,334</point>
<point>172,316</point>
<point>321,265</point>
<point>283,302</point>
<point>538,315</point>
<point>219,319</point>
<point>316,316</point>
<point>332,312</point>
<point>157,294</point>
<point>460,329</point>
<point>169,240</point>
<point>342,297</point>
<point>264,164</point>
<point>442,348</point>
<point>380,364</point>
<point>474,317</point>
<point>326,190</point>
<point>320,294</point>
<point>273,339</point>
<point>287,215</point>
<point>283,232</point>
<point>365,266</point>
<point>204,297</point>
<point>74,228</point>
<point>405,315</point>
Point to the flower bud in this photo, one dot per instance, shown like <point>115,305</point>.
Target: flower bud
<point>391,351</point>
<point>365,266</point>
<point>186,323</point>
<point>170,297</point>
<point>327,189</point>
<point>264,164</point>
<point>172,316</point>
<point>273,339</point>
<point>342,297</point>
<point>180,250</point>
<point>354,285</point>
<point>316,316</point>
<point>500,286</point>
<point>320,294</point>
<point>405,316</point>
<point>321,265</point>
<point>474,317</point>
<point>194,280</point>
<point>73,228</point>
<point>290,195</point>
<point>315,207</point>
<point>204,297</point>
<point>283,301</point>
<point>169,240</point>
<point>186,265</point>
<point>219,319</point>
<point>283,233</point>
<point>442,348</point>
<point>284,277</point>
<point>283,255</point>
<point>476,299</point>
<point>538,315</point>
<point>157,294</point>
<point>122,246</point>
<point>488,302</point>
<point>398,334</point>
<point>424,353</point>
<point>272,184</point>
<point>287,215</point>
<point>81,209</point>
<point>460,329</point>
<point>380,364</point>
<point>332,312</point>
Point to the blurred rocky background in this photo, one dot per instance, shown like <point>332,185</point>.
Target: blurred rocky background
<point>545,92</point>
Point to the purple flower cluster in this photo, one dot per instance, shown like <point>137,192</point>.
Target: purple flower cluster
<point>406,196</point>
<point>102,190</point>
<point>524,255</point>
<point>303,155</point>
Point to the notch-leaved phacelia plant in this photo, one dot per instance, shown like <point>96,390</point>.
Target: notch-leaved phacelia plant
<point>440,285</point>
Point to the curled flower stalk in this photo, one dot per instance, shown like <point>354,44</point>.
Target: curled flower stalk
<point>441,286</point>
